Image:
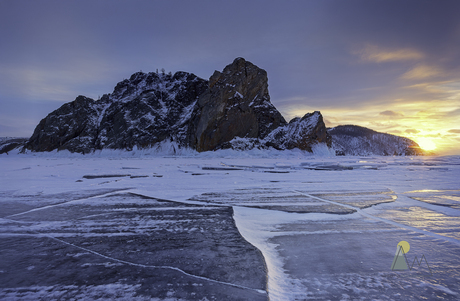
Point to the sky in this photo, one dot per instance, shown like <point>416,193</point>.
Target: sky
<point>392,66</point>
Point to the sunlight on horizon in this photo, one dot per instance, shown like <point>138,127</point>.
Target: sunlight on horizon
<point>426,143</point>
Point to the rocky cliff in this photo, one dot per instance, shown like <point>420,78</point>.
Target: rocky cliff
<point>142,111</point>
<point>231,110</point>
<point>300,133</point>
<point>360,141</point>
<point>149,108</point>
<point>204,115</point>
<point>236,104</point>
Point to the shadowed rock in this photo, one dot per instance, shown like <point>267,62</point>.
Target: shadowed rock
<point>146,109</point>
<point>236,104</point>
<point>9,144</point>
<point>73,126</point>
<point>301,133</point>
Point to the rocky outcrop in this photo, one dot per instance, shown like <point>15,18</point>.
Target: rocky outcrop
<point>142,111</point>
<point>231,110</point>
<point>301,133</point>
<point>360,141</point>
<point>8,144</point>
<point>150,108</point>
<point>236,104</point>
<point>73,126</point>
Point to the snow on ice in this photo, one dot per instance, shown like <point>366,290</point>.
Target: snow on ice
<point>227,225</point>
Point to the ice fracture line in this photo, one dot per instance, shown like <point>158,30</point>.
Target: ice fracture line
<point>67,202</point>
<point>143,265</point>
<point>157,267</point>
<point>452,240</point>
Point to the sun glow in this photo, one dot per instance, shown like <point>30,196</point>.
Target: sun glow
<point>426,143</point>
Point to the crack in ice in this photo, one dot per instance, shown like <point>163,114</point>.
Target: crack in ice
<point>67,202</point>
<point>133,263</point>
<point>157,267</point>
<point>360,211</point>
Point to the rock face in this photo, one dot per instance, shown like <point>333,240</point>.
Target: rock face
<point>73,126</point>
<point>9,144</point>
<point>360,141</point>
<point>141,111</point>
<point>149,108</point>
<point>300,133</point>
<point>236,104</point>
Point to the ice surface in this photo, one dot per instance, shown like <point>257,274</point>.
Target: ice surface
<point>217,225</point>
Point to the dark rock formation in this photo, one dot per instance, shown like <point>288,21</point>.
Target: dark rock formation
<point>360,141</point>
<point>141,111</point>
<point>301,133</point>
<point>150,108</point>
<point>8,144</point>
<point>73,126</point>
<point>231,110</point>
<point>236,104</point>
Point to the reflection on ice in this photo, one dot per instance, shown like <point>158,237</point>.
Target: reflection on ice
<point>447,198</point>
<point>324,256</point>
<point>425,219</point>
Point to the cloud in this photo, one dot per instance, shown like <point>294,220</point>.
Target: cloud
<point>412,131</point>
<point>453,113</point>
<point>422,72</point>
<point>327,122</point>
<point>454,131</point>
<point>376,54</point>
<point>391,113</point>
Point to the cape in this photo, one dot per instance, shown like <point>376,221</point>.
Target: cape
<point>230,110</point>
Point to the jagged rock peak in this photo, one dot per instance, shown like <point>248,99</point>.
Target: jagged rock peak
<point>236,104</point>
<point>142,111</point>
<point>300,133</point>
<point>240,71</point>
<point>139,82</point>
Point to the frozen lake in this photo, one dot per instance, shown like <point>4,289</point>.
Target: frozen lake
<point>282,226</point>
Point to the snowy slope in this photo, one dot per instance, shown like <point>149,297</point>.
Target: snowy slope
<point>360,141</point>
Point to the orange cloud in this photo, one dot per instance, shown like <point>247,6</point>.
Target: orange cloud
<point>377,54</point>
<point>391,113</point>
<point>422,72</point>
<point>412,131</point>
